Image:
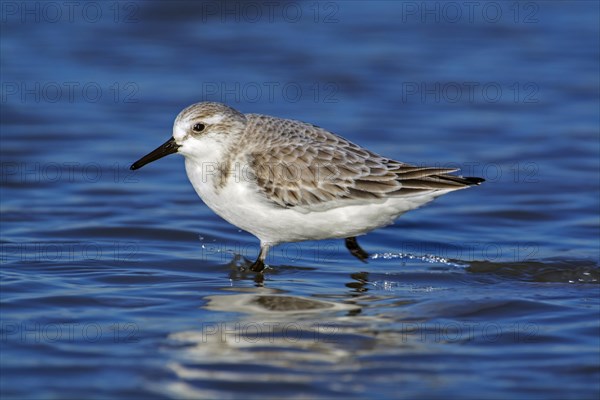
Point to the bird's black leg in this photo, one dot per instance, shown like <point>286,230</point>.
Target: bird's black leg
<point>355,249</point>
<point>259,264</point>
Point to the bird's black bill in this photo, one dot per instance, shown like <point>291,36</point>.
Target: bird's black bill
<point>168,147</point>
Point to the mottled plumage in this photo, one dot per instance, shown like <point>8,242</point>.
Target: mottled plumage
<point>301,182</point>
<point>299,164</point>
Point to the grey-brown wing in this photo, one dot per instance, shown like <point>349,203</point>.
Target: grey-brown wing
<point>298,164</point>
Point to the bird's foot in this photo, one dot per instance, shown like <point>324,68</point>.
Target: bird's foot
<point>257,266</point>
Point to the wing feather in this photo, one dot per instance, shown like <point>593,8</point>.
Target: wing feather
<point>296,164</point>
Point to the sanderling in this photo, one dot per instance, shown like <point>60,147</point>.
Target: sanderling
<point>290,181</point>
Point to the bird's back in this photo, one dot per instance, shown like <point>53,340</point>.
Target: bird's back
<point>300,164</point>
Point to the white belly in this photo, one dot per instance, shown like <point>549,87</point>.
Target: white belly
<point>239,203</point>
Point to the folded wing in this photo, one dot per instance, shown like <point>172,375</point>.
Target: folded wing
<point>301,165</point>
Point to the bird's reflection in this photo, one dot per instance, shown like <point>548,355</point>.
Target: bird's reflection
<point>239,270</point>
<point>359,283</point>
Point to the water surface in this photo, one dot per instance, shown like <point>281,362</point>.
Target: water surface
<point>120,284</point>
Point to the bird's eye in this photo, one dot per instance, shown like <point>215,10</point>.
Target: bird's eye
<point>198,127</point>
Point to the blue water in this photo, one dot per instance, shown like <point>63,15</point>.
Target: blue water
<point>120,284</point>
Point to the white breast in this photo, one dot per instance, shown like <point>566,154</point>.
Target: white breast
<point>239,203</point>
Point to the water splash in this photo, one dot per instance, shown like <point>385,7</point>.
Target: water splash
<point>429,258</point>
